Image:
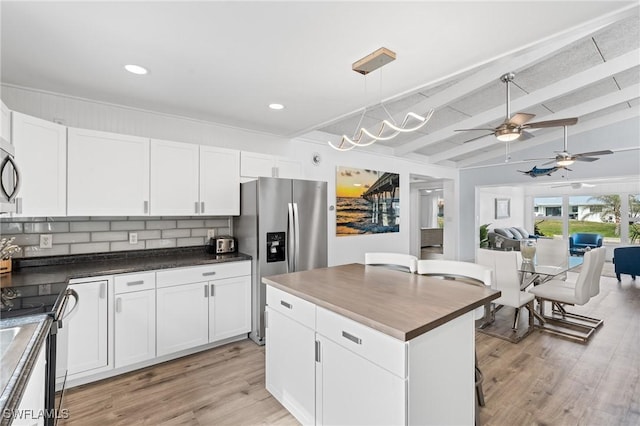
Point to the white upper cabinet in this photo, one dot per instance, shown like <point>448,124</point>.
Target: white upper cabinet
<point>5,122</point>
<point>254,165</point>
<point>219,181</point>
<point>108,174</point>
<point>41,149</point>
<point>174,178</point>
<point>188,179</point>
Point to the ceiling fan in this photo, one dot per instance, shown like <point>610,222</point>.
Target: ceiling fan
<point>513,127</point>
<point>564,158</point>
<point>575,185</point>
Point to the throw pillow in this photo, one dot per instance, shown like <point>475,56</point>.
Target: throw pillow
<point>524,232</point>
<point>504,232</point>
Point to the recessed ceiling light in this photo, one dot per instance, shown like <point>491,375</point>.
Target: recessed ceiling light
<point>136,69</point>
<point>276,106</point>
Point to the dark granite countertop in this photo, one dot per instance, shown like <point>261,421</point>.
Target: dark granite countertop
<point>60,269</point>
<point>37,282</point>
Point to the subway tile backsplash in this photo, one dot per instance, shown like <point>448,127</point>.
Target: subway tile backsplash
<point>75,235</point>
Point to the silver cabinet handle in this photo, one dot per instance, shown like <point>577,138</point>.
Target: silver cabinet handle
<point>286,305</point>
<point>146,207</point>
<point>206,291</point>
<point>317,350</point>
<point>119,304</point>
<point>202,207</point>
<point>19,205</point>
<point>139,282</point>
<point>103,290</point>
<point>212,291</point>
<point>197,207</point>
<point>208,274</point>
<point>351,337</point>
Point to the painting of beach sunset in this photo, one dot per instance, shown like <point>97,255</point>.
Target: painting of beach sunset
<point>367,201</point>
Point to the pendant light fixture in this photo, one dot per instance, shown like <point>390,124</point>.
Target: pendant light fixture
<point>388,129</point>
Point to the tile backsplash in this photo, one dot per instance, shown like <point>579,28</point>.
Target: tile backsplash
<point>75,235</point>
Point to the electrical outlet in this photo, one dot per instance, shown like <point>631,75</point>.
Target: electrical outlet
<point>133,238</point>
<point>46,241</point>
<point>211,233</point>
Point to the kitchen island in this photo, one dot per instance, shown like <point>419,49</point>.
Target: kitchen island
<point>356,344</point>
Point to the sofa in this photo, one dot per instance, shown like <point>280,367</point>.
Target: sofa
<point>580,241</point>
<point>626,260</point>
<point>509,237</point>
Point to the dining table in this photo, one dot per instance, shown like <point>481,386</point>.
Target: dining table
<point>533,273</point>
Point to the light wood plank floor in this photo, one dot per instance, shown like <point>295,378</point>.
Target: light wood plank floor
<point>543,380</point>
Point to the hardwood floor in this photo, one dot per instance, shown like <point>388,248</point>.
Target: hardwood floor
<point>543,380</point>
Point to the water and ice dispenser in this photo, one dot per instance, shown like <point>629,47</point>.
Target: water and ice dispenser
<point>276,247</point>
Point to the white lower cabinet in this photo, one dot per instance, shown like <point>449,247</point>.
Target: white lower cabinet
<point>351,390</point>
<point>202,304</point>
<point>31,408</point>
<point>87,329</point>
<point>290,365</point>
<point>182,317</point>
<point>229,307</point>
<point>134,318</point>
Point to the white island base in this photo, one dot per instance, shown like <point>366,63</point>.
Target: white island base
<point>327,369</point>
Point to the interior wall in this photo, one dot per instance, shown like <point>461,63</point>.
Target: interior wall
<point>85,113</point>
<point>488,196</point>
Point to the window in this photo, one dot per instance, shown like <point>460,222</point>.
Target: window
<point>547,216</point>
<point>597,214</point>
<point>634,219</point>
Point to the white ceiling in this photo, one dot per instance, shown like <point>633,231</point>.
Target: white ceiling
<point>226,61</point>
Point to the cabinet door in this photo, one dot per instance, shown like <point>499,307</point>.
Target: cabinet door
<point>182,317</point>
<point>135,327</point>
<point>87,328</point>
<point>219,181</point>
<point>229,307</point>
<point>289,169</point>
<point>108,174</point>
<point>351,390</point>
<point>174,178</point>
<point>41,149</point>
<point>255,165</point>
<point>290,365</point>
<point>5,122</point>
<point>32,403</point>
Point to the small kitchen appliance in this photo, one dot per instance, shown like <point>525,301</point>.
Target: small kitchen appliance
<point>222,244</point>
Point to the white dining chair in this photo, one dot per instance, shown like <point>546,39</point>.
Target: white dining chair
<point>561,293</point>
<point>553,252</point>
<point>399,261</point>
<point>465,270</point>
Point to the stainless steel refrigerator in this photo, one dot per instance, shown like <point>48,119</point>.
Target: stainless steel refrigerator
<point>283,226</point>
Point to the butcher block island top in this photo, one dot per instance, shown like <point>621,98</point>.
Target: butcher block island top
<point>399,304</point>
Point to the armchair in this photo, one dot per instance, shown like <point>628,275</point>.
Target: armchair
<point>627,261</point>
<point>580,241</point>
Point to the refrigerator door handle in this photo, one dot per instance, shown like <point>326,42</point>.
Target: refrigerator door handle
<point>296,236</point>
<point>290,239</point>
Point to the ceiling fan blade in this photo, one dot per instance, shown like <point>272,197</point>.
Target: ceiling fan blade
<point>525,135</point>
<point>520,118</point>
<point>588,159</point>
<point>593,153</point>
<point>477,128</point>
<point>553,123</point>
<point>549,162</point>
<point>478,137</point>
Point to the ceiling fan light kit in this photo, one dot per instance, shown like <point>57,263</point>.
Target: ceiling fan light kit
<point>388,128</point>
<point>514,126</point>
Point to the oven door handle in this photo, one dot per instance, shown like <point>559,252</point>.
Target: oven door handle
<point>67,293</point>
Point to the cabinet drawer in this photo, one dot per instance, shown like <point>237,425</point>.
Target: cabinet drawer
<point>377,347</point>
<point>134,282</point>
<point>202,273</point>
<point>292,306</point>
